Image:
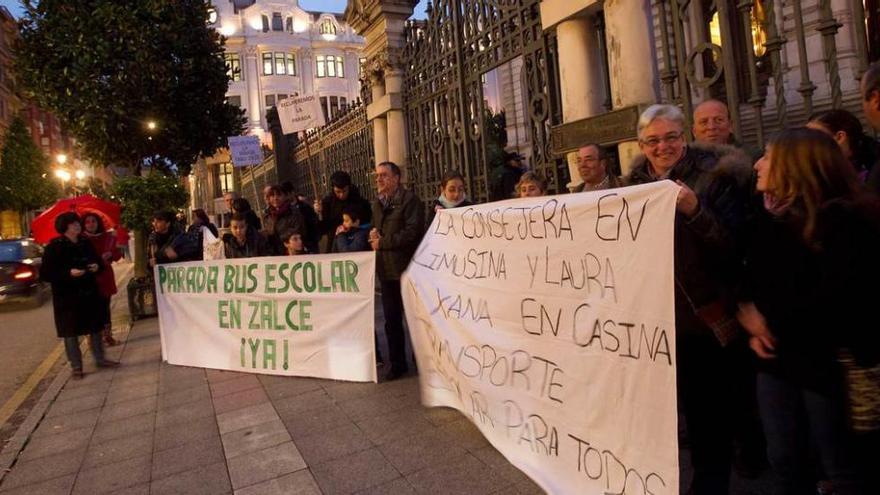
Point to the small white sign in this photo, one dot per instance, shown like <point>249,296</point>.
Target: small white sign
<point>245,150</point>
<point>299,113</point>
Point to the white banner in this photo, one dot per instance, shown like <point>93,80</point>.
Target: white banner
<point>245,150</point>
<point>550,323</point>
<point>299,113</point>
<point>296,315</point>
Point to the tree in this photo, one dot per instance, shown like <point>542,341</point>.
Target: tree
<point>26,182</point>
<point>108,68</point>
<point>140,197</point>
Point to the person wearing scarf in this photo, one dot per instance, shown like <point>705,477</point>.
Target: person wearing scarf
<point>104,244</point>
<point>809,255</point>
<point>452,194</point>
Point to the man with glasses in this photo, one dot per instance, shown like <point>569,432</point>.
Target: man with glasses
<point>399,223</point>
<point>592,163</point>
<point>711,206</point>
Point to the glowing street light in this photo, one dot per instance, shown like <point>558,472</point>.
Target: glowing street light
<point>61,158</point>
<point>62,174</point>
<point>151,125</point>
<point>80,175</point>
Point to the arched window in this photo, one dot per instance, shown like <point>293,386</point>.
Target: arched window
<point>327,27</point>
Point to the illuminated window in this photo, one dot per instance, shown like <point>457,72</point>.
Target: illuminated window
<point>331,66</point>
<point>267,64</point>
<point>233,66</point>
<point>291,64</point>
<point>320,66</point>
<point>224,179</point>
<point>327,27</point>
<point>280,66</point>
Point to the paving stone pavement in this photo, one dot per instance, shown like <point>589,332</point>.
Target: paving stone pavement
<point>152,428</point>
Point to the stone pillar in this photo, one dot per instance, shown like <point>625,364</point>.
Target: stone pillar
<point>580,82</point>
<point>382,23</point>
<point>380,140</point>
<point>397,145</point>
<point>252,80</point>
<point>633,76</point>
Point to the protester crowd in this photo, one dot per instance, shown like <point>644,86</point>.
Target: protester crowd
<point>774,256</point>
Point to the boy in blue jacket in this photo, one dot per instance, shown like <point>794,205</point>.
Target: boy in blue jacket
<point>351,235</point>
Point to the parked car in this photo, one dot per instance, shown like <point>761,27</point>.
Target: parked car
<point>20,261</point>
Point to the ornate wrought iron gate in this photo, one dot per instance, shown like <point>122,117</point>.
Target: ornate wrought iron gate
<point>445,58</point>
<point>749,52</point>
<point>345,143</point>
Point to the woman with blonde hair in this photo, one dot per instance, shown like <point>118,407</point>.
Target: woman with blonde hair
<point>810,253</point>
<point>531,185</point>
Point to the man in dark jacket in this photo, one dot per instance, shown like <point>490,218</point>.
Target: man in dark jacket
<point>281,220</point>
<point>711,206</point>
<point>161,238</point>
<point>243,241</point>
<point>330,208</point>
<point>398,225</point>
<point>592,162</point>
<point>504,178</point>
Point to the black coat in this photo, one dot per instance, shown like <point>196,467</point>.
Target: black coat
<point>401,224</point>
<point>331,211</point>
<point>707,257</point>
<point>76,300</point>
<point>255,245</point>
<point>157,244</point>
<point>278,227</point>
<point>817,298</point>
<point>432,211</point>
<point>503,182</point>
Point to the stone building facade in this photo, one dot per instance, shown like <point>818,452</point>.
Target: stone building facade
<point>276,49</point>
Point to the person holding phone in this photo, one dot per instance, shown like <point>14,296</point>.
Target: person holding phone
<point>70,264</point>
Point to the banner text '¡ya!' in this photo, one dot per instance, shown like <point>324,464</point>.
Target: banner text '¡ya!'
<point>308,276</point>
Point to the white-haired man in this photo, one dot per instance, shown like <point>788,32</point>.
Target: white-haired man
<point>711,206</point>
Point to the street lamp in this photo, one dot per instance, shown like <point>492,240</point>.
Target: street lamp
<point>80,175</point>
<point>61,158</point>
<point>151,125</point>
<point>62,174</point>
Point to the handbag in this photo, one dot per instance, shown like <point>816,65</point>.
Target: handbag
<point>862,391</point>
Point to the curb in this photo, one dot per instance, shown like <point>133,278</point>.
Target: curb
<point>19,440</point>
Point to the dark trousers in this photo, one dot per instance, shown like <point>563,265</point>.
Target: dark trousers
<point>392,308</point>
<point>706,393</point>
<point>797,419</point>
<point>74,355</point>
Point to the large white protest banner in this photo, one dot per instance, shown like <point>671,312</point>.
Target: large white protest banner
<point>550,323</point>
<point>299,113</point>
<point>299,315</point>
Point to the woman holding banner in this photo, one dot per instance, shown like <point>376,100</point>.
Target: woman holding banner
<point>812,251</point>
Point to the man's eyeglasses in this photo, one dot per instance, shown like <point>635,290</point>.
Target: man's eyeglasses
<point>670,138</point>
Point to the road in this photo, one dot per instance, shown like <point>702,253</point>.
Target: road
<point>30,353</point>
<point>28,336</point>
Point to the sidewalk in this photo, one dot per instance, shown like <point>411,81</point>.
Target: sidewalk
<point>148,427</point>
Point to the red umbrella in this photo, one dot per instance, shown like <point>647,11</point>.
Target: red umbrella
<point>43,227</point>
